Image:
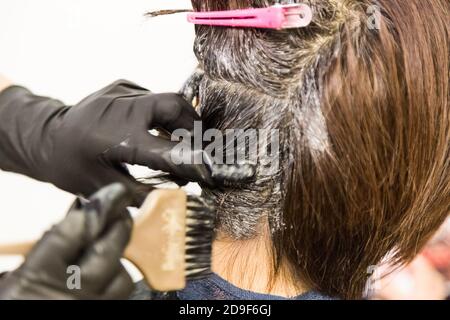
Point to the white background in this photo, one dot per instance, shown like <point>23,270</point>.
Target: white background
<point>68,49</point>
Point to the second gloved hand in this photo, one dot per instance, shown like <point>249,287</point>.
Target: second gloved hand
<point>80,257</point>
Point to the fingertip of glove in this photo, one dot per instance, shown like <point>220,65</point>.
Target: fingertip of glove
<point>110,194</point>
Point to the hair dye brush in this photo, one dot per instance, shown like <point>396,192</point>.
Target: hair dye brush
<point>171,239</point>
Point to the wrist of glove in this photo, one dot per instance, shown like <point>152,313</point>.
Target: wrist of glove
<point>80,257</point>
<point>23,137</point>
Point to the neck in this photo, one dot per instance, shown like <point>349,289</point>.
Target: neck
<point>247,264</point>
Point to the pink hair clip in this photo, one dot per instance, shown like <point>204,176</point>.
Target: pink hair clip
<point>275,17</point>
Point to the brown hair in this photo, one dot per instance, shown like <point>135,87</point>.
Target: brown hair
<point>364,120</point>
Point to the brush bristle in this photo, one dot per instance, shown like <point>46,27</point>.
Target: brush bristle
<point>200,224</point>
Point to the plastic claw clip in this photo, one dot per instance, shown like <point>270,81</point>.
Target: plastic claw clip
<point>276,17</point>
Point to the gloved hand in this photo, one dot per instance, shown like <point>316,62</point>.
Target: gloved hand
<point>82,148</point>
<point>92,238</point>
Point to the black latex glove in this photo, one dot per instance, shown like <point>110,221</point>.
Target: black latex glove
<point>81,148</point>
<point>92,237</point>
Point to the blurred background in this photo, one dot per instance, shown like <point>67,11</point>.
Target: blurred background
<point>68,49</point>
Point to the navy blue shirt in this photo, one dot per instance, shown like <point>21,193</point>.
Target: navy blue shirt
<point>215,288</point>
